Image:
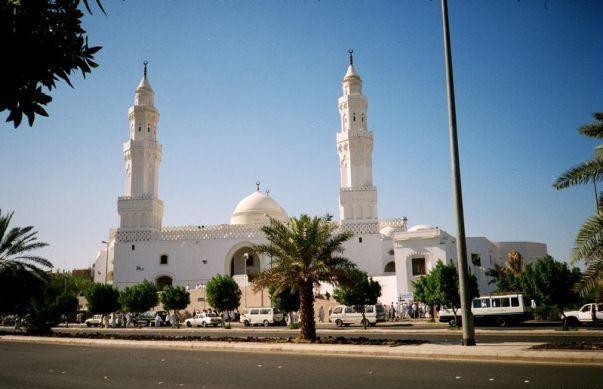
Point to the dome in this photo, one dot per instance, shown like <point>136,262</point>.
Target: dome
<point>256,208</point>
<point>420,227</point>
<point>388,231</point>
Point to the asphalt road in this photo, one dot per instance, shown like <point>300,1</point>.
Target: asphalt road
<point>444,335</point>
<point>49,366</point>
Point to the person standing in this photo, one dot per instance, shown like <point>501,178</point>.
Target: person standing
<point>158,320</point>
<point>330,313</point>
<point>321,314</point>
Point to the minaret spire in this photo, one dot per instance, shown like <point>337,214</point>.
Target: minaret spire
<point>351,52</point>
<point>145,63</point>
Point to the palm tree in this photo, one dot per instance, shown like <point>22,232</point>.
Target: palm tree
<point>589,240</point>
<point>515,262</point>
<point>304,252</point>
<point>21,274</point>
<point>15,245</point>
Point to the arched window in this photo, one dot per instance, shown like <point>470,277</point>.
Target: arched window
<point>163,259</point>
<point>362,118</point>
<point>354,116</point>
<point>139,128</point>
<point>390,267</point>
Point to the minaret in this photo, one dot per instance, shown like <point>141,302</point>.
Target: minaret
<point>140,209</point>
<point>357,195</point>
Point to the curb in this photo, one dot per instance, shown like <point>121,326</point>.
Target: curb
<point>509,352</point>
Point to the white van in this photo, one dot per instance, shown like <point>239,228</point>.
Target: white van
<point>262,316</point>
<point>501,310</point>
<point>344,316</point>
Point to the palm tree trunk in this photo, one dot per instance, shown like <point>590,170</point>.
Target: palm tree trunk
<point>308,325</point>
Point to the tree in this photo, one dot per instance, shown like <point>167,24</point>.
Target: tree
<point>139,298</point>
<point>550,283</point>
<point>223,294</point>
<point>304,253</point>
<point>47,309</point>
<point>44,41</point>
<point>175,297</point>
<point>441,286</point>
<point>506,277</point>
<point>102,299</point>
<point>286,300</point>
<point>358,292</point>
<point>22,274</point>
<point>589,239</point>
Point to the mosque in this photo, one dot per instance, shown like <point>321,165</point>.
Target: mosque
<point>143,248</point>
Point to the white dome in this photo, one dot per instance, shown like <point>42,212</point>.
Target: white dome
<point>388,231</point>
<point>256,208</point>
<point>420,227</point>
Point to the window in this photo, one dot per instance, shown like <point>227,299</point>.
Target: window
<point>496,303</point>
<point>265,311</point>
<point>476,303</point>
<point>250,261</point>
<point>600,308</point>
<point>349,310</point>
<point>139,128</point>
<point>369,309</point>
<point>585,308</point>
<point>337,310</point>
<point>148,128</point>
<point>418,266</point>
<point>354,117</point>
<point>476,259</point>
<point>360,239</point>
<point>362,118</point>
<point>504,302</point>
<point>254,311</point>
<point>163,260</point>
<point>133,247</point>
<point>390,267</point>
<point>485,303</point>
<point>514,301</point>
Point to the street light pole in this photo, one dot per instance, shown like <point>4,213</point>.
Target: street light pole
<point>106,261</point>
<point>461,248</point>
<point>245,258</point>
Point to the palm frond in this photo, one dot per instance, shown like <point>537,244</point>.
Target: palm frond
<point>589,240</point>
<point>595,129</point>
<point>589,171</point>
<point>16,243</point>
<point>592,277</point>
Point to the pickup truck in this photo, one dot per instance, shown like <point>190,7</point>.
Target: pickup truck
<point>583,315</point>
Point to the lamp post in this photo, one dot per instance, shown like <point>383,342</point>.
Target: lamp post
<point>461,244</point>
<point>106,261</point>
<point>245,259</point>
<point>598,155</point>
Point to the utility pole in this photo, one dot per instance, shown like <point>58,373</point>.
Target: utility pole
<point>461,245</point>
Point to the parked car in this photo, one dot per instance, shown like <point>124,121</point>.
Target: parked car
<point>583,315</point>
<point>9,320</point>
<point>147,319</point>
<point>344,315</point>
<point>203,320</point>
<point>94,321</point>
<point>500,310</point>
<point>262,316</point>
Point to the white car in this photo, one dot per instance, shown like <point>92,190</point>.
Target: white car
<point>203,320</point>
<point>583,315</point>
<point>94,321</point>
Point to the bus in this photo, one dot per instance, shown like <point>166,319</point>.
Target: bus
<point>501,310</point>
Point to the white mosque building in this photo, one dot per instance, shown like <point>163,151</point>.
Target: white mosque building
<point>143,248</point>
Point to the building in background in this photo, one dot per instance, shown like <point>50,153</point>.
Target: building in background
<point>143,248</point>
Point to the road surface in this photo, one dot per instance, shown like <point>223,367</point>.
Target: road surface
<point>50,366</point>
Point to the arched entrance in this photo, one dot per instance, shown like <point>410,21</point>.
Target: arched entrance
<point>245,261</point>
<point>163,281</point>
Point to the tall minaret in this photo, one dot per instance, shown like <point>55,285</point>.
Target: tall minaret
<point>357,195</point>
<point>140,209</point>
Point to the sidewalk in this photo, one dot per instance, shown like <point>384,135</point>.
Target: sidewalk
<point>510,352</point>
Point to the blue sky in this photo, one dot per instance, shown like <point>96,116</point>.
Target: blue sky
<point>248,91</point>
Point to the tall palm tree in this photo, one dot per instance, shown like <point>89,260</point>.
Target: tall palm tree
<point>15,245</point>
<point>304,252</point>
<point>589,240</point>
<point>515,262</point>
